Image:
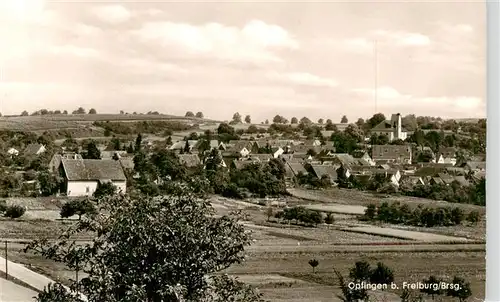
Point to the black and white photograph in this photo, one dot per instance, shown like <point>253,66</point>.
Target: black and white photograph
<point>244,151</point>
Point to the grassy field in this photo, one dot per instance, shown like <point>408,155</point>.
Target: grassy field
<point>62,121</point>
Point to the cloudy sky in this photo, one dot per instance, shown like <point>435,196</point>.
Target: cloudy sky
<point>290,58</point>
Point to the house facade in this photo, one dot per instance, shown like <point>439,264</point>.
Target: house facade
<point>83,176</point>
<point>392,129</point>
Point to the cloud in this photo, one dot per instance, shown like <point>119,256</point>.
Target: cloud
<point>390,98</point>
<point>82,29</point>
<point>73,50</point>
<point>384,93</point>
<point>113,14</point>
<point>359,45</point>
<point>402,38</point>
<point>256,41</point>
<point>459,28</point>
<point>303,78</point>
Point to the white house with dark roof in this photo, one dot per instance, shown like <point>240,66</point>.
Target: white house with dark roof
<point>83,176</point>
<point>392,128</point>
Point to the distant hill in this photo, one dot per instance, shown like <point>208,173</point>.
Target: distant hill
<point>71,121</point>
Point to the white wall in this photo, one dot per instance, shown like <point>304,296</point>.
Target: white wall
<point>79,188</point>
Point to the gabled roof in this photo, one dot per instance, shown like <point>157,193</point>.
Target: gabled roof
<point>93,169</point>
<point>304,148</point>
<point>295,168</point>
<point>461,180</point>
<point>262,157</point>
<point>240,164</point>
<point>189,160</point>
<point>448,152</point>
<point>391,152</point>
<point>321,170</point>
<point>476,165</point>
<point>181,144</point>
<point>438,180</point>
<point>32,149</point>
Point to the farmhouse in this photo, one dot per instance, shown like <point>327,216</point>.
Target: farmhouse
<point>83,176</point>
<point>392,128</point>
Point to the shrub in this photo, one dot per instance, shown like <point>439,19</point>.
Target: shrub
<point>370,212</point>
<point>77,207</point>
<point>360,272</point>
<point>3,206</point>
<point>463,292</point>
<point>105,189</point>
<point>382,274</point>
<point>329,218</point>
<point>473,217</point>
<point>431,288</point>
<point>232,191</point>
<point>14,211</point>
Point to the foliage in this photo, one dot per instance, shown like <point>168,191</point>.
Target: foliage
<point>360,272</point>
<point>300,215</point>
<point>236,118</point>
<point>49,183</point>
<point>350,294</point>
<point>432,287</point>
<point>3,206</point>
<point>313,263</point>
<point>420,216</point>
<point>329,219</point>
<point>153,127</point>
<point>105,189</point>
<point>167,248</point>
<point>80,207</point>
<point>473,217</point>
<point>14,211</point>
<point>463,292</point>
<point>381,274</point>
<point>56,292</point>
<point>92,151</point>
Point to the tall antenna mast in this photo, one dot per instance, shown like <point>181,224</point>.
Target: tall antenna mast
<point>375,74</point>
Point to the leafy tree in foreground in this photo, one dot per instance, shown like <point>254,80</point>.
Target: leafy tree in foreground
<point>167,248</point>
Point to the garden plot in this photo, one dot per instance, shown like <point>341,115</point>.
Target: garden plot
<point>42,215</point>
<point>404,234</point>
